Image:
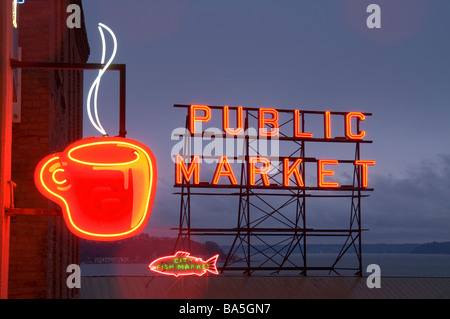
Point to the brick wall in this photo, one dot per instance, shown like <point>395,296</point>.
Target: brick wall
<point>52,108</point>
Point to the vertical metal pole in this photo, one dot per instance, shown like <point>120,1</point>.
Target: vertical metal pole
<point>247,160</point>
<point>6,100</point>
<point>358,212</point>
<point>242,201</point>
<point>188,212</point>
<point>123,111</point>
<point>303,155</point>
<point>185,200</point>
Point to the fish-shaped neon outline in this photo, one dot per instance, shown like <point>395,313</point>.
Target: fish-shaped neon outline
<point>168,265</point>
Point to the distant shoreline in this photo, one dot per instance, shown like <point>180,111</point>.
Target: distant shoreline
<point>144,248</point>
<point>125,261</point>
<point>391,264</point>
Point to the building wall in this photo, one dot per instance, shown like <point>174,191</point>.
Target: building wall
<point>51,118</point>
<point>6,99</point>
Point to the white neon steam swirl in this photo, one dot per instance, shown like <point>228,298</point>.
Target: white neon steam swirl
<point>97,125</point>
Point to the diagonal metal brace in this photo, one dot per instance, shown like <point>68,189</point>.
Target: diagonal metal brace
<point>31,212</point>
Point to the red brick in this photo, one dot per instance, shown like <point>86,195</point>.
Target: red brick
<point>41,247</point>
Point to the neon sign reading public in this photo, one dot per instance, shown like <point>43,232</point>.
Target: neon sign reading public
<point>269,117</point>
<point>183,264</point>
<point>187,170</point>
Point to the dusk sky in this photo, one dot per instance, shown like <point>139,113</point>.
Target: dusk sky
<point>308,54</point>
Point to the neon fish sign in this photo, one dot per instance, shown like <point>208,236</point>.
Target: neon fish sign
<point>183,264</point>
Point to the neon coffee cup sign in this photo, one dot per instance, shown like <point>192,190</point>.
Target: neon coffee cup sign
<point>104,185</point>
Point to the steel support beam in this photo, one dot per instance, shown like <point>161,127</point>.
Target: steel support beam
<point>85,66</point>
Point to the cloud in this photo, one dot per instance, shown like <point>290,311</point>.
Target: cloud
<point>411,208</point>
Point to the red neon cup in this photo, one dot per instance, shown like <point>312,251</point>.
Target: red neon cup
<point>104,185</point>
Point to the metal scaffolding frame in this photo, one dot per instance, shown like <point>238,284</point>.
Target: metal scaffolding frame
<point>282,246</point>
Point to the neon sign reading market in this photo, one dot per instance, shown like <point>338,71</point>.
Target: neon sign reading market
<point>269,124</point>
